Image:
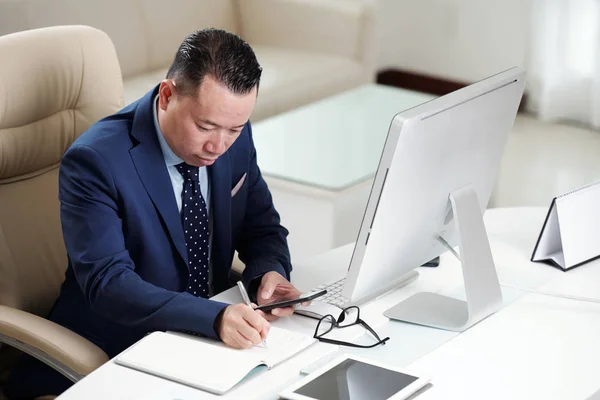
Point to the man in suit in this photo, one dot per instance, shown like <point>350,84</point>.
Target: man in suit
<point>155,200</point>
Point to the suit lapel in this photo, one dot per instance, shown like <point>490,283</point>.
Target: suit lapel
<point>220,186</point>
<point>149,163</point>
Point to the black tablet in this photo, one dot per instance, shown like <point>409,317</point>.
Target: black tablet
<point>355,378</point>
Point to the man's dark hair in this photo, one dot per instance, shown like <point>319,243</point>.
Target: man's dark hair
<point>223,55</point>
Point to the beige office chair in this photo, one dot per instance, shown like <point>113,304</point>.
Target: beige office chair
<point>54,83</point>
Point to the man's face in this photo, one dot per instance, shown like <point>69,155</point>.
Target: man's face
<point>201,129</point>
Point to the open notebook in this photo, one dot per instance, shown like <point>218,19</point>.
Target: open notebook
<point>207,364</point>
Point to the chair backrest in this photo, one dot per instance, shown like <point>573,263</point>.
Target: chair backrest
<point>54,83</point>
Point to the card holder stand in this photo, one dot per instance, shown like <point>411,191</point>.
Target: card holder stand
<point>570,236</point>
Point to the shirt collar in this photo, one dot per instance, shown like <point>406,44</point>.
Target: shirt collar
<point>170,157</point>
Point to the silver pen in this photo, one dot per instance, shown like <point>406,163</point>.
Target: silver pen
<point>248,302</point>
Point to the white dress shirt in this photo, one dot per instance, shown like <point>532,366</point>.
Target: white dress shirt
<point>172,159</point>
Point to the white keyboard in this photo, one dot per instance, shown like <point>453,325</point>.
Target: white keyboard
<point>334,293</point>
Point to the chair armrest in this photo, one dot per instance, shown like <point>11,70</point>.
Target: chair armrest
<point>342,27</point>
<point>62,349</point>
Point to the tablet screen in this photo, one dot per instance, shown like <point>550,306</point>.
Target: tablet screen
<point>355,380</point>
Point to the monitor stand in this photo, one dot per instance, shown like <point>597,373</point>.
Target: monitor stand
<point>482,288</point>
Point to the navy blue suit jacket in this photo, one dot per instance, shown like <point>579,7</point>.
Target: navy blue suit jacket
<point>128,266</point>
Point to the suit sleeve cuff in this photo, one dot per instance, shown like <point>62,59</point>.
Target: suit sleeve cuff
<point>216,310</point>
<point>252,276</point>
<point>200,324</point>
<point>217,322</point>
<point>253,287</point>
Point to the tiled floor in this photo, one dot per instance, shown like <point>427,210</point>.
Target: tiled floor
<point>543,160</point>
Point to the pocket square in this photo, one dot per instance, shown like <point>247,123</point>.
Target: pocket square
<point>238,185</point>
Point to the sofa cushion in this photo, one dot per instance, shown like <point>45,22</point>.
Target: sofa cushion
<point>123,27</point>
<point>302,62</point>
<point>166,30</point>
<point>139,85</point>
<point>324,26</point>
<point>291,78</point>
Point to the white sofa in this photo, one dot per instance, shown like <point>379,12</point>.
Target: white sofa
<point>309,49</point>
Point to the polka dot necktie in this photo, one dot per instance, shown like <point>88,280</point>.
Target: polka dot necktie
<point>194,218</point>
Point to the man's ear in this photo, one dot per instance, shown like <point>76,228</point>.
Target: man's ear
<point>166,93</point>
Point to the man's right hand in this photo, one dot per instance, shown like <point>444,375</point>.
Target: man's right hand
<point>241,326</point>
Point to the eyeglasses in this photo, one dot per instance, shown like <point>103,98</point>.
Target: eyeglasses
<point>349,317</point>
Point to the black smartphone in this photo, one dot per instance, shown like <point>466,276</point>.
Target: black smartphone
<point>290,302</point>
<point>433,263</point>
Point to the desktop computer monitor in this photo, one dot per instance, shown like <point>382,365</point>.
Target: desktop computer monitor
<point>435,178</point>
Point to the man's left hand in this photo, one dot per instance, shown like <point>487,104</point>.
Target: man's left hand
<point>274,288</point>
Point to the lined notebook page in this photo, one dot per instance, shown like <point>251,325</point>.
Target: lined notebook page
<point>208,364</point>
<point>281,344</point>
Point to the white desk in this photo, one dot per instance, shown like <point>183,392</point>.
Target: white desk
<point>537,348</point>
<point>513,342</point>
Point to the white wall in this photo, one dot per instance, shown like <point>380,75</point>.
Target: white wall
<point>463,40</point>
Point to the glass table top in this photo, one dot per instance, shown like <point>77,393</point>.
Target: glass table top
<point>333,143</point>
